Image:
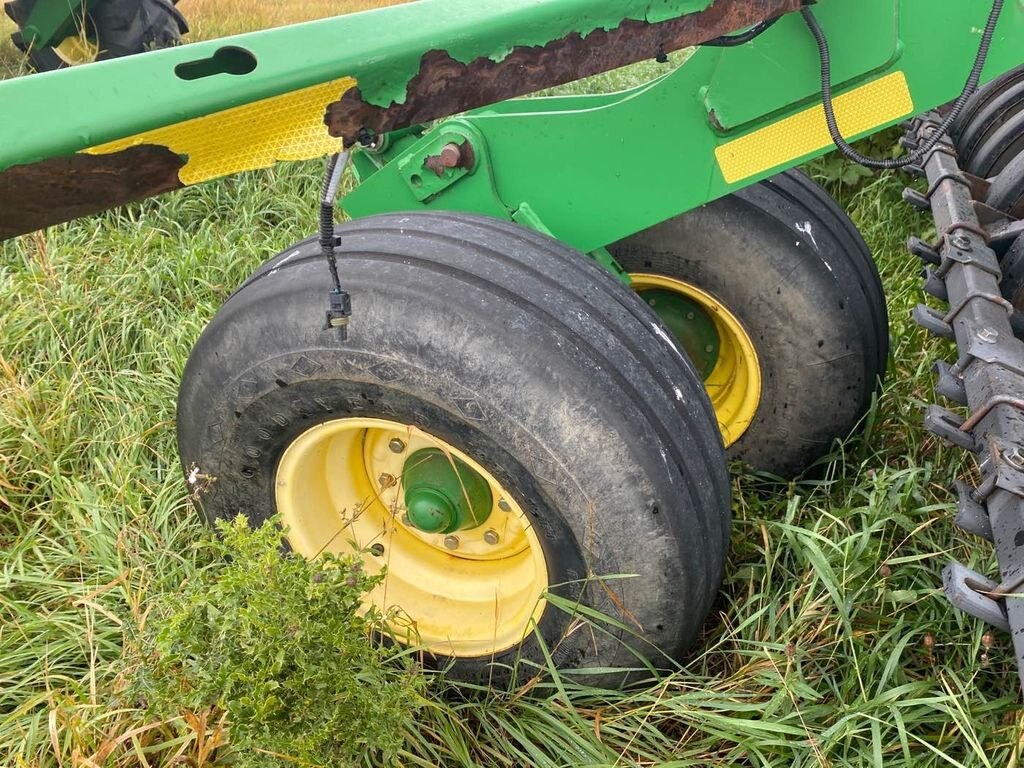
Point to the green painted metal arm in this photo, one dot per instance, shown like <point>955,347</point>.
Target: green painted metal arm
<point>50,21</point>
<point>60,112</point>
<point>725,119</point>
<point>82,140</point>
<point>595,169</point>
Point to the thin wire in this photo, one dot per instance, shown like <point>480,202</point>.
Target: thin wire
<point>329,193</point>
<point>730,41</point>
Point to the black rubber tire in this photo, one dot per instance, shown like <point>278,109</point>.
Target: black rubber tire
<point>518,351</point>
<point>120,28</point>
<point>990,131</point>
<point>985,112</point>
<point>1007,190</point>
<point>999,150</point>
<point>789,263</point>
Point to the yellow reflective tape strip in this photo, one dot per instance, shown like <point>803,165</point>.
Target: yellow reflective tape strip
<point>286,127</point>
<point>859,110</point>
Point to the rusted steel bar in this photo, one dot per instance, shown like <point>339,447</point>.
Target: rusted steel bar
<point>57,189</point>
<point>446,87</point>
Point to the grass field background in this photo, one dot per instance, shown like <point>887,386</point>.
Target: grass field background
<point>831,644</point>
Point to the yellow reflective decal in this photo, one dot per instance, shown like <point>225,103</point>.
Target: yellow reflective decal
<point>286,127</point>
<point>869,106</point>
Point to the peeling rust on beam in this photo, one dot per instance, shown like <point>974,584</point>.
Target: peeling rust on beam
<point>446,87</point>
<point>63,188</point>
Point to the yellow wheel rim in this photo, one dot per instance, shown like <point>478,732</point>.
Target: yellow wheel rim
<point>77,49</point>
<point>339,486</point>
<point>734,382</point>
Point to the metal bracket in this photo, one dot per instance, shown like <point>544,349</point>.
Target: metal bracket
<point>955,579</point>
<point>945,424</point>
<point>949,382</point>
<point>934,285</point>
<point>439,161</point>
<point>932,321</point>
<point>970,515</point>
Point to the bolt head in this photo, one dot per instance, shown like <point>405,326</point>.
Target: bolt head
<point>386,480</point>
<point>491,537</point>
<point>504,506</point>
<point>397,445</point>
<point>451,542</point>
<point>988,335</point>
<point>1015,459</point>
<point>962,242</point>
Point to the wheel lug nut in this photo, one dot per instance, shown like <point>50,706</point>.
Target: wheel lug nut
<point>504,506</point>
<point>396,445</point>
<point>491,537</point>
<point>451,542</point>
<point>377,550</point>
<point>386,480</point>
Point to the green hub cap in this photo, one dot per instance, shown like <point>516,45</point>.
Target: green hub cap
<point>689,324</point>
<point>442,494</point>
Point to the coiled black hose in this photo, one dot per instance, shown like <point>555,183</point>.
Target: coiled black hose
<point>328,194</point>
<point>902,162</point>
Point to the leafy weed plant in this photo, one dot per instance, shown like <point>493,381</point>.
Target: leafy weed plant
<point>275,647</point>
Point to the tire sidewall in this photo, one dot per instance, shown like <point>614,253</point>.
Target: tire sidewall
<point>802,303</point>
<point>272,417</point>
<point>550,425</point>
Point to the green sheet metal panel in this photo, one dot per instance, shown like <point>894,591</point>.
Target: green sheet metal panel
<point>864,39</point>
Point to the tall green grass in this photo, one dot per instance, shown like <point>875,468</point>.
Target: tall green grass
<point>831,644</point>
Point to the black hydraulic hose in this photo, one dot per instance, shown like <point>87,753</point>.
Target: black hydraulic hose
<point>902,162</point>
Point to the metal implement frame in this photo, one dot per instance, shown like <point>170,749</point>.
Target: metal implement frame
<point>724,119</point>
<point>988,378</point>
<point>630,160</point>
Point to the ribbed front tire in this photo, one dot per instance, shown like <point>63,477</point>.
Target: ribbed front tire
<point>508,350</point>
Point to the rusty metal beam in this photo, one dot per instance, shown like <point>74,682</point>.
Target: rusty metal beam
<point>64,188</point>
<point>58,189</point>
<point>446,87</point>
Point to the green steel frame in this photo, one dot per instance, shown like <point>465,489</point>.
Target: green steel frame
<point>592,170</point>
<point>589,169</point>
